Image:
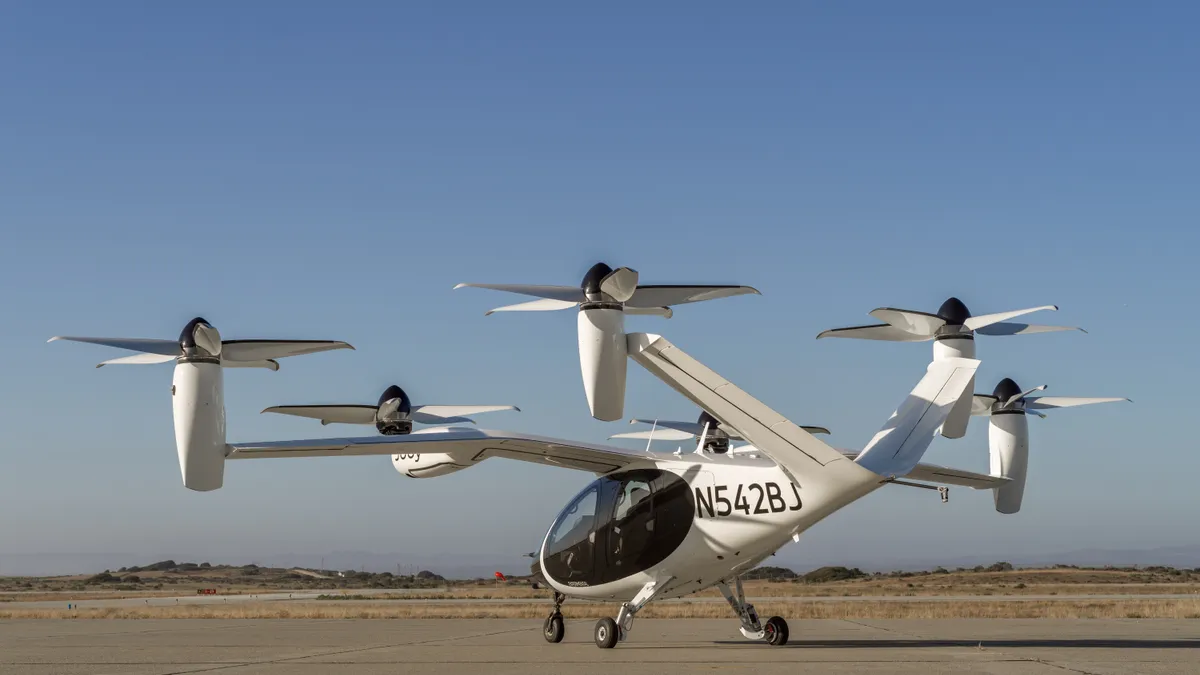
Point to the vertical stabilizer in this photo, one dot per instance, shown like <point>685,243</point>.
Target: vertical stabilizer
<point>899,445</point>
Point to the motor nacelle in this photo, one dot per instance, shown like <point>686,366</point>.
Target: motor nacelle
<point>1008,447</point>
<point>430,465</point>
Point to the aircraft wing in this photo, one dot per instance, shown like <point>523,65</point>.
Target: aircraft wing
<point>933,473</point>
<point>469,446</point>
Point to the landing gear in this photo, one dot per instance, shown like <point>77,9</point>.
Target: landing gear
<point>609,632</point>
<point>774,632</point>
<point>553,628</point>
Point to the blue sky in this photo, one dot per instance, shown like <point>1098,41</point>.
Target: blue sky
<point>326,171</point>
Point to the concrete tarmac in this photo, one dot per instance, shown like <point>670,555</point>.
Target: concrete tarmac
<point>658,647</point>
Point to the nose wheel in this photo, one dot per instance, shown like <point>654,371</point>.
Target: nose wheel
<point>553,627</point>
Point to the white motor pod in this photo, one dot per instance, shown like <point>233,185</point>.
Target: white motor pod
<point>198,402</point>
<point>602,361</point>
<point>1008,447</point>
<point>198,386</point>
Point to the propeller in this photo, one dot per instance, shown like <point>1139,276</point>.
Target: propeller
<point>717,434</point>
<point>392,416</point>
<point>1008,398</point>
<point>605,286</point>
<point>199,341</point>
<point>604,297</point>
<point>952,320</point>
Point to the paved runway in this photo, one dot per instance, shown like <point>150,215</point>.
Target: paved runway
<point>660,647</point>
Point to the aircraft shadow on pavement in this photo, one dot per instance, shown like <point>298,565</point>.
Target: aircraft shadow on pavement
<point>1052,643</point>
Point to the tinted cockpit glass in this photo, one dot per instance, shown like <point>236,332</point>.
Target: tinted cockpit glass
<point>619,525</point>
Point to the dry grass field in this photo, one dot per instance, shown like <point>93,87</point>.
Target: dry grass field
<point>344,595</point>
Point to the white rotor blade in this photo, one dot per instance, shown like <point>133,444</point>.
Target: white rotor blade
<point>815,430</point>
<point>329,414</point>
<point>981,404</point>
<point>977,322</point>
<point>878,332</point>
<point>137,359</point>
<point>269,364</point>
<point>208,339</point>
<point>565,293</point>
<point>1048,402</point>
<point>658,435</point>
<point>919,323</point>
<point>665,296</point>
<point>388,407</point>
<point>259,350</point>
<point>1017,397</point>
<point>164,347</point>
<point>543,305</point>
<point>1004,328</point>
<point>664,312</point>
<point>620,284</point>
<point>457,410</point>
<point>690,428</point>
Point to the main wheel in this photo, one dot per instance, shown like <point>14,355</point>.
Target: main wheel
<point>606,633</point>
<point>553,629</point>
<point>776,631</point>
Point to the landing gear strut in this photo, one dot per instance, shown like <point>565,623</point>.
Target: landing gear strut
<point>609,632</point>
<point>553,628</point>
<point>774,632</point>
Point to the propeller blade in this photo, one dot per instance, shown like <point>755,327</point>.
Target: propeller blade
<point>164,347</point>
<point>885,332</point>
<point>1035,413</point>
<point>658,435</point>
<point>565,293</point>
<point>543,305</point>
<point>426,418</point>
<point>329,414</point>
<point>136,359</point>
<point>1003,328</point>
<point>388,407</point>
<point>918,323</point>
<point>665,296</point>
<point>664,312</point>
<point>620,284</point>
<point>816,430</point>
<point>977,322</point>
<point>457,410</point>
<point>269,364</point>
<point>981,404</point>
<point>259,350</point>
<point>1049,402</point>
<point>208,339</point>
<point>1017,397</point>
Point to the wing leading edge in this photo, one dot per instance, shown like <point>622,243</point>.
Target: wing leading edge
<point>467,446</point>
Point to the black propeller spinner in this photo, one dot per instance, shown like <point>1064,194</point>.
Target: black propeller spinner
<point>954,312</point>
<point>591,281</point>
<point>1006,389</point>
<point>392,418</point>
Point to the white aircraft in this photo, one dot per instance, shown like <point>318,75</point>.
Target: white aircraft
<point>650,526</point>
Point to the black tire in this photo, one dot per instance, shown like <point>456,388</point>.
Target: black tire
<point>776,631</point>
<point>553,628</point>
<point>606,633</point>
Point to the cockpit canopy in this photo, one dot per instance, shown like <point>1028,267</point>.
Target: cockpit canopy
<point>619,525</point>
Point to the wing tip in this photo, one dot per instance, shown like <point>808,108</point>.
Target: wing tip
<point>56,338</point>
